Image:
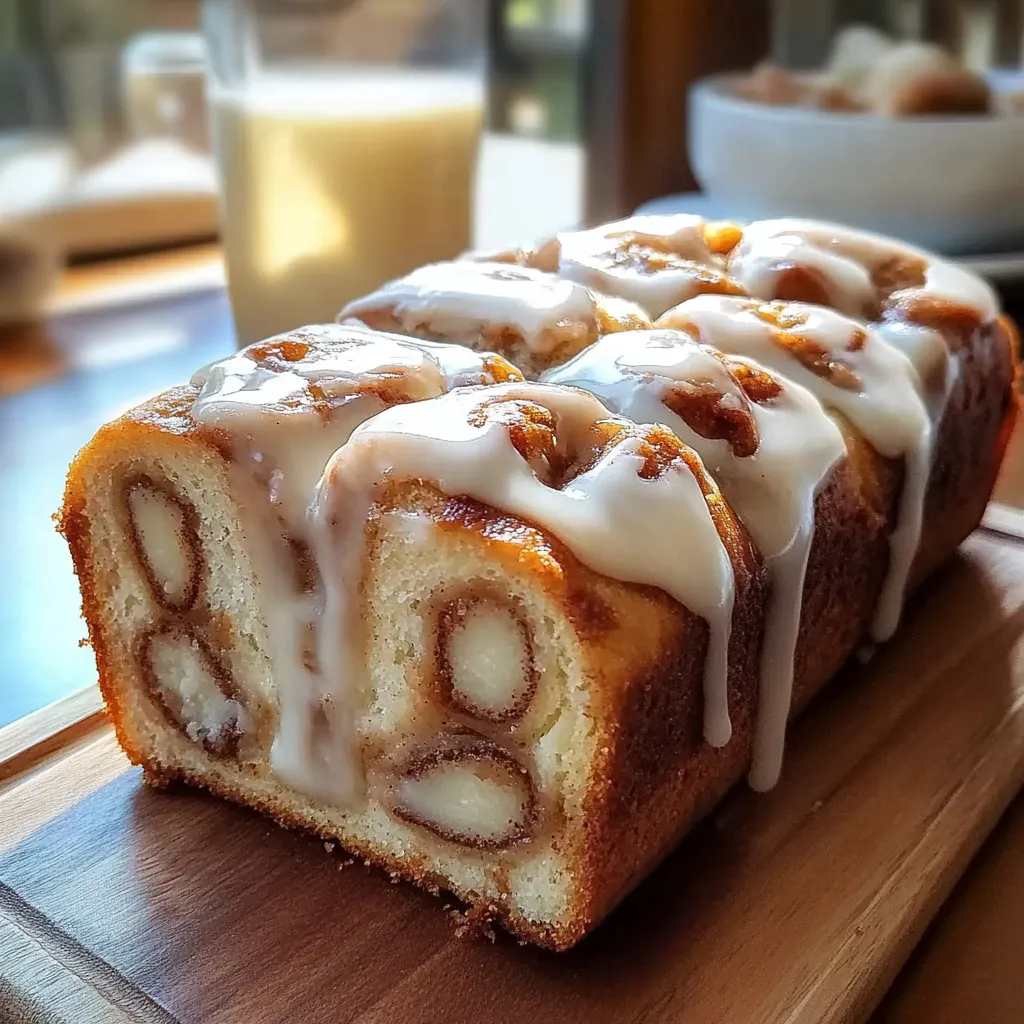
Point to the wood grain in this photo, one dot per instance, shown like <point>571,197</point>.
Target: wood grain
<point>968,966</point>
<point>29,739</point>
<point>798,906</point>
<point>28,803</point>
<point>49,978</point>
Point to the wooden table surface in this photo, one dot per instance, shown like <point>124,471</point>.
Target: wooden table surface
<point>127,329</point>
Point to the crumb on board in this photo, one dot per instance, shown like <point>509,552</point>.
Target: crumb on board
<point>475,922</point>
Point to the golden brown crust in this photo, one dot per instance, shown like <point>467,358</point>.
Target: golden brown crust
<point>970,442</point>
<point>854,515</point>
<point>73,524</point>
<point>168,414</point>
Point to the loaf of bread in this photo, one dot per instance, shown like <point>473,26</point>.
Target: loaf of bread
<point>510,638</point>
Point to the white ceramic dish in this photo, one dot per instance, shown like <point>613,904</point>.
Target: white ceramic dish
<point>955,184</point>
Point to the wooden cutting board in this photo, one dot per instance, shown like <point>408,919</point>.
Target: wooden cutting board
<point>118,903</point>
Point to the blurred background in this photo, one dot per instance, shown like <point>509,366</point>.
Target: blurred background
<point>142,140</point>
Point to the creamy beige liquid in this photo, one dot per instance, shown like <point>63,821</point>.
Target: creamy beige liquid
<point>334,183</point>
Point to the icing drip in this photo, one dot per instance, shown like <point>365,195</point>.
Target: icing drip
<point>853,268</point>
<point>646,376</point>
<point>927,349</point>
<point>912,295</point>
<point>657,531</point>
<point>656,261</point>
<point>286,405</point>
<point>946,280</point>
<point>849,367</point>
<point>457,299</point>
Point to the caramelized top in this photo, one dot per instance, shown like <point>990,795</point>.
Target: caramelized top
<point>320,368</point>
<point>857,273</point>
<point>460,298</point>
<point>656,261</point>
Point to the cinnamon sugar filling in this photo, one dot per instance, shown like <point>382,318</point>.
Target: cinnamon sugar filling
<point>192,686</point>
<point>164,535</point>
<point>484,664</point>
<point>467,790</point>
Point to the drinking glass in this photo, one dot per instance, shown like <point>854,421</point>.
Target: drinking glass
<point>347,136</point>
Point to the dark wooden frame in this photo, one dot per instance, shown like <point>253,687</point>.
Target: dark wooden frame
<point>643,56</point>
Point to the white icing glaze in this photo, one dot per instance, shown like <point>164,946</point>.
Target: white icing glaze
<point>772,490</point>
<point>887,407</point>
<point>273,408</point>
<point>679,233</point>
<point>845,259</point>
<point>944,279</point>
<point>650,531</point>
<point>456,300</point>
<point>597,258</point>
<point>926,348</point>
<point>282,435</point>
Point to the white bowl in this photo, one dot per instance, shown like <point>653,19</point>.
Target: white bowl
<point>955,184</point>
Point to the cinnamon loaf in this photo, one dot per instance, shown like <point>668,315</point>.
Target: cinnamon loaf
<point>512,639</point>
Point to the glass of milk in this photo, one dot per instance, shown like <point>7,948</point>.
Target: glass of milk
<point>347,135</point>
